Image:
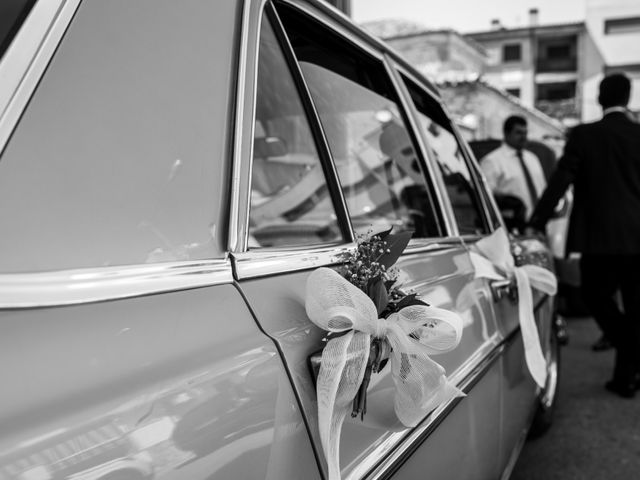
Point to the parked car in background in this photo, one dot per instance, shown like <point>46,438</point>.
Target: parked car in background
<point>170,174</point>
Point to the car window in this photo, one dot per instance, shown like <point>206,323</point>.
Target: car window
<point>377,164</point>
<point>461,190</point>
<point>119,156</point>
<point>12,16</point>
<point>290,200</point>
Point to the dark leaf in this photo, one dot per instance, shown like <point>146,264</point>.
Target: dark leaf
<point>378,294</point>
<point>396,244</point>
<point>384,234</point>
<point>389,283</point>
<point>410,300</point>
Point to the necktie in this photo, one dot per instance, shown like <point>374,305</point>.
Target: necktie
<point>527,177</point>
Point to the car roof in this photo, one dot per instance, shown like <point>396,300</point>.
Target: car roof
<point>346,22</point>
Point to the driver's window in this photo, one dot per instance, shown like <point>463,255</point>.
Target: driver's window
<point>290,201</point>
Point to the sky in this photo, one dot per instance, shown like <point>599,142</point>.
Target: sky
<point>468,15</point>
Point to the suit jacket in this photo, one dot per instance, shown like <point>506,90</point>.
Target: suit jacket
<point>602,161</point>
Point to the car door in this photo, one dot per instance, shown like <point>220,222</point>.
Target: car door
<point>354,163</point>
<point>518,393</point>
<point>127,351</point>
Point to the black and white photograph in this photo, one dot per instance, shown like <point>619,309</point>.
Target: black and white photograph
<point>319,240</point>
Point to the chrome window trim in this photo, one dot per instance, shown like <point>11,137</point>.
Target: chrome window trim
<point>89,285</point>
<point>263,262</point>
<point>426,245</point>
<point>278,261</point>
<point>443,204</point>
<point>27,58</point>
<point>399,445</point>
<point>246,92</point>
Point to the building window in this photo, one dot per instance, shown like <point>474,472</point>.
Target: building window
<point>622,25</point>
<point>514,91</point>
<point>556,52</point>
<point>512,52</point>
<point>556,91</point>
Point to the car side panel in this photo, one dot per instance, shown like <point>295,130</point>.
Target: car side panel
<point>440,278</point>
<point>520,392</point>
<point>170,386</point>
<point>460,447</point>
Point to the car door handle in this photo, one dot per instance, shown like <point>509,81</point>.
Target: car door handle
<point>504,289</point>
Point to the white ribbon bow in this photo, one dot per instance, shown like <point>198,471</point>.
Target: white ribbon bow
<point>494,251</point>
<point>414,333</point>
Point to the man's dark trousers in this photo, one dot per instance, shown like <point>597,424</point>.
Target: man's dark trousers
<point>603,275</point>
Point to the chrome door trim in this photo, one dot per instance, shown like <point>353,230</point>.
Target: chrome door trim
<point>89,285</point>
<point>263,262</point>
<point>426,245</point>
<point>246,91</point>
<point>443,207</point>
<point>397,447</point>
<point>27,58</point>
<point>276,261</point>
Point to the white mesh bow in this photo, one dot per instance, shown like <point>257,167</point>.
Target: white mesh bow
<point>414,333</point>
<point>494,251</point>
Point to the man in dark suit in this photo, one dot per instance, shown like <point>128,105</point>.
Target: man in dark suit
<point>602,161</point>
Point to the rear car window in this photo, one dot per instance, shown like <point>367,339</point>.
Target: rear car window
<point>449,156</point>
<point>12,16</point>
<point>119,157</point>
<point>377,163</point>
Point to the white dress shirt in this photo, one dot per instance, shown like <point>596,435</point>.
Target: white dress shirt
<point>505,176</point>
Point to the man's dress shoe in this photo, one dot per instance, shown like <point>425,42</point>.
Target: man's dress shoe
<point>624,390</point>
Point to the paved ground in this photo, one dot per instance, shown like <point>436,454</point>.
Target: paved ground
<point>595,435</point>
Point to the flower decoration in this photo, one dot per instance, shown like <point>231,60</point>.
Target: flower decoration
<point>370,321</point>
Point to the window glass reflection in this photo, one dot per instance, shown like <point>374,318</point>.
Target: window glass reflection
<point>290,201</point>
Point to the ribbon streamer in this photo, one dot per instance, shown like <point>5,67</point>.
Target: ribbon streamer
<point>492,259</point>
<point>414,333</point>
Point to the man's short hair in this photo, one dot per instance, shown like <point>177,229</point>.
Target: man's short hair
<point>615,90</point>
<point>512,121</point>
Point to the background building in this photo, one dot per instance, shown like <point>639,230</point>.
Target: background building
<point>435,53</point>
<point>615,28</point>
<point>545,66</point>
<point>461,69</point>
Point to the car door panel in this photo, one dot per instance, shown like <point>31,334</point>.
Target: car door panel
<point>176,385</point>
<point>278,303</point>
<point>470,437</point>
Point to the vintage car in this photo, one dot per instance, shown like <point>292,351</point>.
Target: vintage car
<point>171,172</point>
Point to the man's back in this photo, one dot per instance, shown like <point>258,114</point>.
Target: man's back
<point>604,160</point>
